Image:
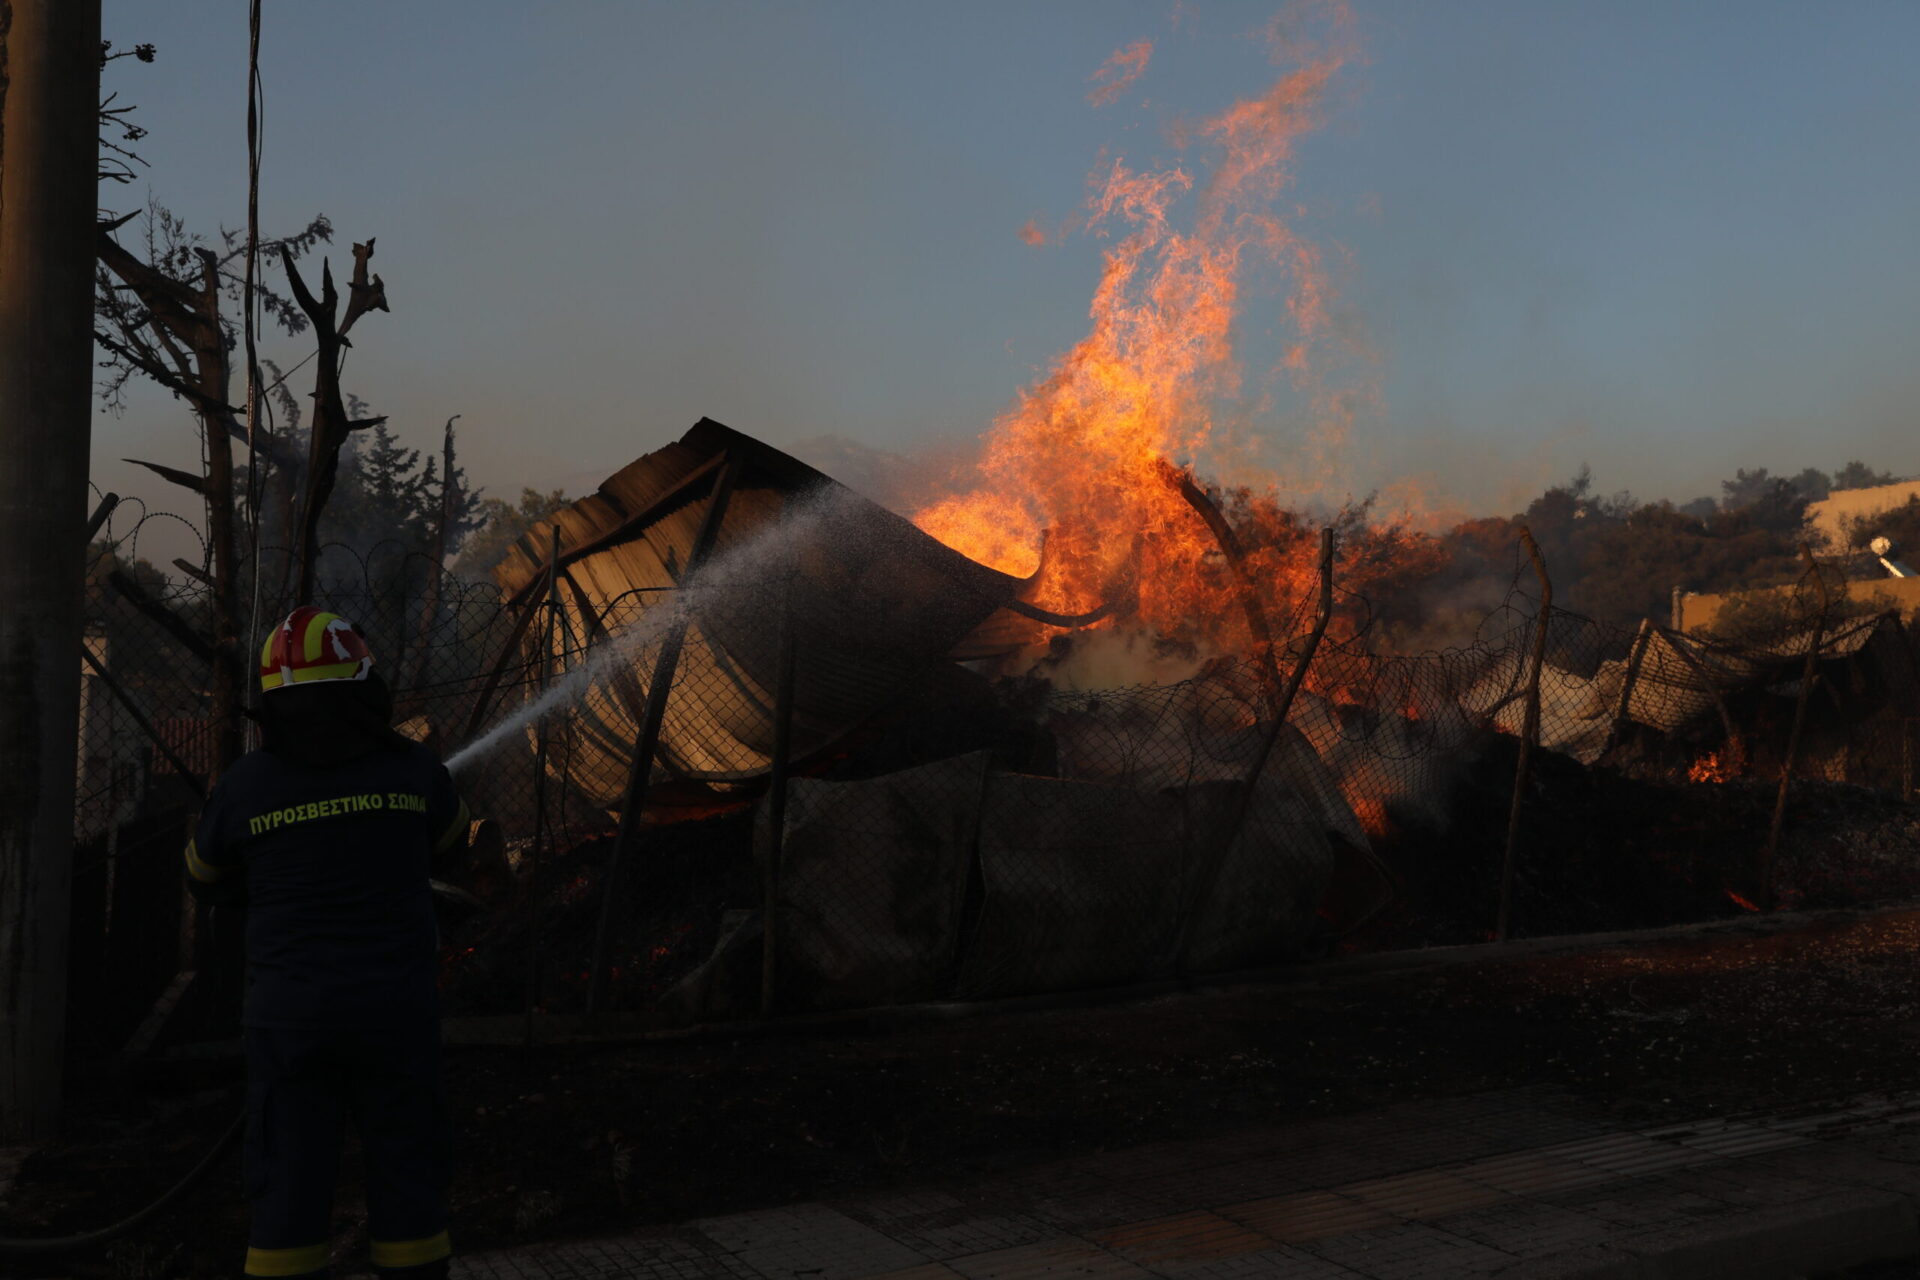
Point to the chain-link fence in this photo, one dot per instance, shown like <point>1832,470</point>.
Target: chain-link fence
<point>981,831</point>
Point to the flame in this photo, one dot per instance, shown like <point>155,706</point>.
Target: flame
<point>1708,769</point>
<point>1085,455</point>
<point>1371,810</point>
<point>1719,766</point>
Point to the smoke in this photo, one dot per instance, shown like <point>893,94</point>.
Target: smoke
<point>900,482</point>
<point>1092,661</point>
<point>1117,74</point>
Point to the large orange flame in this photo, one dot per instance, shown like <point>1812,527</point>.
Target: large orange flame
<point>1084,455</point>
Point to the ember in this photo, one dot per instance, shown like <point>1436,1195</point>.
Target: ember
<point>1708,768</point>
<point>1723,765</point>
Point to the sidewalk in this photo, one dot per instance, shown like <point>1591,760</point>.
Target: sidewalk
<point>1515,1183</point>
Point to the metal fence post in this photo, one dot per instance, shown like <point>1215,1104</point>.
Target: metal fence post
<point>1906,759</point>
<point>1209,873</point>
<point>1530,731</point>
<point>1683,645</point>
<point>476,718</point>
<point>647,740</point>
<point>140,721</point>
<point>1636,655</point>
<point>1768,854</point>
<point>777,797</point>
<point>536,850</point>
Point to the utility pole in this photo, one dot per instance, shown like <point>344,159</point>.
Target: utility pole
<point>49,152</point>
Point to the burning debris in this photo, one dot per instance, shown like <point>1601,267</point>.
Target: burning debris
<point>972,808</point>
<point>1087,719</point>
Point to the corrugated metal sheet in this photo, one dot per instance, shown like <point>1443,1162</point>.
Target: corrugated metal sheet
<point>875,603</point>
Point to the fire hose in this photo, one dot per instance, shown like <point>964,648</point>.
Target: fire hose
<point>18,1245</point>
<point>68,1244</point>
<point>43,1246</point>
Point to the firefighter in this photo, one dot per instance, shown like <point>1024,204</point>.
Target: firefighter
<point>324,836</point>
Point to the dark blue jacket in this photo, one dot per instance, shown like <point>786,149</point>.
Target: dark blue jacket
<point>331,863</point>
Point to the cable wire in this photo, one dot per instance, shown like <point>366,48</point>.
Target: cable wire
<point>256,108</point>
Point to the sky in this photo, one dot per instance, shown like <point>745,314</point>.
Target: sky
<point>1663,240</point>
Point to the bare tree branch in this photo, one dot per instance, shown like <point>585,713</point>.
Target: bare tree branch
<point>362,297</point>
<point>185,479</point>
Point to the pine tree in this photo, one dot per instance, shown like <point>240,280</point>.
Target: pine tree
<point>387,500</point>
<point>499,525</point>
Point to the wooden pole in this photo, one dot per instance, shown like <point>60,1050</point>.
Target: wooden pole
<point>777,798</point>
<point>1530,732</point>
<point>47,209</point>
<point>1772,850</point>
<point>647,740</point>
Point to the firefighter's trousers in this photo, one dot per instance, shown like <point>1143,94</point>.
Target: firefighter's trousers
<point>302,1089</point>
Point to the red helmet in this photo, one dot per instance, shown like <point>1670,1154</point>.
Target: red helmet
<point>312,646</point>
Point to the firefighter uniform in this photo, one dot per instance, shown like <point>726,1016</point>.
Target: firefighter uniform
<point>341,1018</point>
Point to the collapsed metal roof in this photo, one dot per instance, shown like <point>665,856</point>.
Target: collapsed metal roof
<point>875,603</point>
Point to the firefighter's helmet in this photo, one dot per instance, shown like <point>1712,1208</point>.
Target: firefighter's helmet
<point>312,646</point>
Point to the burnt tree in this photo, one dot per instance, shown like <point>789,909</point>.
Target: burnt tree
<point>331,425</point>
<point>163,315</point>
<point>174,335</point>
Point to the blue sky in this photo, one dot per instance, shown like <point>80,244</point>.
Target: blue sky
<point>1662,239</point>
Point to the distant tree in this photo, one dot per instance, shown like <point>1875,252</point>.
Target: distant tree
<point>1760,485</point>
<point>1628,568</point>
<point>1746,488</point>
<point>501,524</point>
<point>1781,509</point>
<point>1858,475</point>
<point>386,495</point>
<point>1770,617</point>
<point>1812,484</point>
<point>1901,524</point>
<point>377,498</point>
<point>1617,560</point>
<point>380,534</point>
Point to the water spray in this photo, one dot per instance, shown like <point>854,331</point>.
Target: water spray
<point>729,578</point>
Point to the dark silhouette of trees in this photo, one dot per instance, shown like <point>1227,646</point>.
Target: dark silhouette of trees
<point>500,525</point>
<point>1858,475</point>
<point>388,499</point>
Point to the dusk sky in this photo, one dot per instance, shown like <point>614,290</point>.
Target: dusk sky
<point>1664,240</point>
